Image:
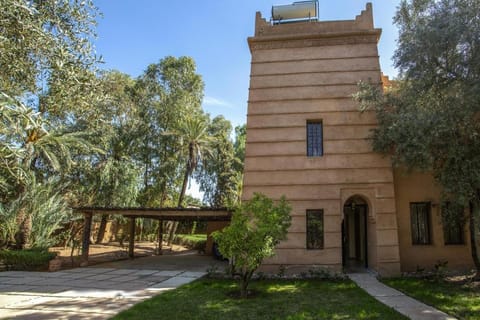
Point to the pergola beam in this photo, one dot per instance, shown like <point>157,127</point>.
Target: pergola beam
<point>174,214</point>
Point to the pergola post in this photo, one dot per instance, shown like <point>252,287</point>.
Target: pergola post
<point>87,227</point>
<point>131,240</point>
<point>160,237</point>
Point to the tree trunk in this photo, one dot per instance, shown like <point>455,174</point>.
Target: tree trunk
<point>243,288</point>
<point>102,228</point>
<point>184,186</point>
<point>474,207</point>
<point>174,227</point>
<point>244,283</point>
<point>24,221</point>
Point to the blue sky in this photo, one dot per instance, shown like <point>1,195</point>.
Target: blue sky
<point>134,33</point>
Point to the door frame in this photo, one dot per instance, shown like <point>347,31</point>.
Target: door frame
<point>344,232</point>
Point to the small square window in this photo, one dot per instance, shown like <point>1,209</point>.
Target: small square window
<point>314,139</point>
<point>420,220</point>
<point>315,229</point>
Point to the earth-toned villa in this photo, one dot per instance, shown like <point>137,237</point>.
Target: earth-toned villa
<point>307,140</point>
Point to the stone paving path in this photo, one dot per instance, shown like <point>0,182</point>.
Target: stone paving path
<point>404,304</point>
<point>83,293</point>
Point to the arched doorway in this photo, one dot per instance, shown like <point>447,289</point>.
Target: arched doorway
<point>354,234</point>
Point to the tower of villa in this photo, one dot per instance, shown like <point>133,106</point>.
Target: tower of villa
<point>307,140</point>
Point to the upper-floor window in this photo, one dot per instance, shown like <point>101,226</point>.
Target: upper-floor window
<point>453,224</point>
<point>420,220</point>
<point>314,138</point>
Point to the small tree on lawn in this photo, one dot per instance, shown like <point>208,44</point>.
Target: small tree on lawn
<point>257,226</point>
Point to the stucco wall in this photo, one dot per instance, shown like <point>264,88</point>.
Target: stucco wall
<point>420,187</point>
<point>308,71</point>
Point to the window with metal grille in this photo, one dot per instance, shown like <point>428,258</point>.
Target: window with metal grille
<point>314,139</point>
<point>420,219</point>
<point>315,229</point>
<point>453,224</point>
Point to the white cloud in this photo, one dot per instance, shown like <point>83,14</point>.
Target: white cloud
<point>215,102</point>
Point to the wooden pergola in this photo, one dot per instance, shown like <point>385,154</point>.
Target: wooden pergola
<point>173,214</point>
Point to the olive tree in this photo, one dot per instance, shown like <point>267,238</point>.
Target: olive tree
<point>428,119</point>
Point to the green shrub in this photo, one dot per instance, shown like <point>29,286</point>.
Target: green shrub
<point>48,211</point>
<point>27,259</point>
<point>191,241</point>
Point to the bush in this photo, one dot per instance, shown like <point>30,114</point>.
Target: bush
<point>27,259</point>
<point>195,241</point>
<point>257,226</point>
<point>47,210</point>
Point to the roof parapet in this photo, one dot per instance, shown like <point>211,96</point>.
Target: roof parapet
<point>363,21</point>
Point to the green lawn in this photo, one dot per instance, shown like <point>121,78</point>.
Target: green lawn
<point>461,301</point>
<point>192,237</point>
<point>275,299</point>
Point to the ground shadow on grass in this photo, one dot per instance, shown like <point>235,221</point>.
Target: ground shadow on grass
<point>275,299</point>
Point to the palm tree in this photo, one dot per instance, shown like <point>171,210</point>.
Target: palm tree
<point>196,143</point>
<point>30,149</point>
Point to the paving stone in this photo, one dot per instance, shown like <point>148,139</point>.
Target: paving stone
<point>11,299</point>
<point>156,279</point>
<point>124,278</point>
<point>74,275</point>
<point>4,274</point>
<point>49,315</point>
<point>100,277</point>
<point>33,301</point>
<point>91,270</point>
<point>427,314</point>
<point>106,284</point>
<point>125,286</point>
<point>101,269</point>
<point>23,280</point>
<point>92,305</point>
<point>144,272</point>
<point>90,293</point>
<point>384,292</point>
<point>173,282</point>
<point>122,271</point>
<point>406,305</point>
<point>20,274</point>
<point>21,288</point>
<point>193,274</point>
<point>48,289</point>
<point>168,273</point>
<point>51,281</point>
<point>74,270</point>
<point>80,283</point>
<point>59,274</point>
<point>6,287</point>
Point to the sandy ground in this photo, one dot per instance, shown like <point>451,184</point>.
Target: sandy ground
<point>113,251</point>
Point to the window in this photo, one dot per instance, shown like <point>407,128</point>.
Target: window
<point>314,139</point>
<point>420,217</point>
<point>453,226</point>
<point>315,229</point>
